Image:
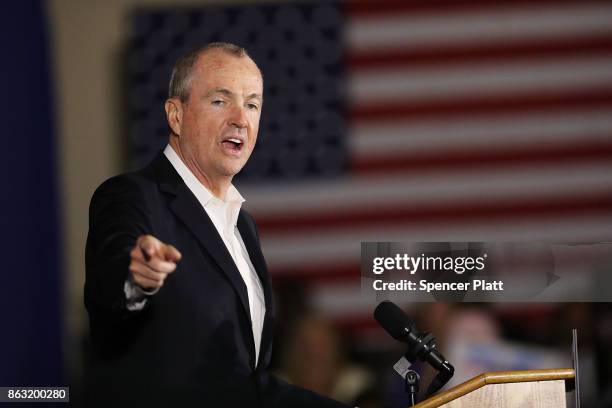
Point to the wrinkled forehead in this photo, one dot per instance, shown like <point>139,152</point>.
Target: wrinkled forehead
<point>219,63</point>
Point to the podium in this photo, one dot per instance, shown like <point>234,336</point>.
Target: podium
<point>507,389</point>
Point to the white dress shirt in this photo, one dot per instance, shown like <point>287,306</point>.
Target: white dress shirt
<point>224,215</point>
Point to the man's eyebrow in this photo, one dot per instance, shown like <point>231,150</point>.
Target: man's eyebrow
<point>223,91</point>
<point>229,93</point>
<point>255,96</point>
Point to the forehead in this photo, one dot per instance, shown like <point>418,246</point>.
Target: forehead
<point>218,68</point>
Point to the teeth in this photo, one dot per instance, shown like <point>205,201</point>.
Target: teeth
<point>235,140</point>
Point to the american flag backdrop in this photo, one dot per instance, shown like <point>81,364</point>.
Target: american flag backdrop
<point>404,121</point>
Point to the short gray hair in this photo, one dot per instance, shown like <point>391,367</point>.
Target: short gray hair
<point>180,80</point>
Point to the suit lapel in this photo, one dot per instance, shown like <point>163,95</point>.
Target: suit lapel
<point>254,249</point>
<point>248,234</point>
<point>187,208</point>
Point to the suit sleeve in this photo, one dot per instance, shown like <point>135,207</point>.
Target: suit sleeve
<point>117,217</point>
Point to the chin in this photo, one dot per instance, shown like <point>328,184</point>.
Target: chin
<point>231,171</point>
<point>234,168</point>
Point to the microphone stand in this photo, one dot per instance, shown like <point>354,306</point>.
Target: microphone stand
<point>425,349</point>
<point>412,386</point>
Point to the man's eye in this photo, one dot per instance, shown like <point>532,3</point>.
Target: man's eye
<point>253,106</point>
<point>218,103</point>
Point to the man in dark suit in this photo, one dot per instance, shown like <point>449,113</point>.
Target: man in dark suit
<point>177,289</point>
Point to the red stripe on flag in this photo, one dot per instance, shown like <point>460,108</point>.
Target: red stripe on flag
<point>506,209</point>
<point>542,101</point>
<point>496,157</point>
<point>390,57</point>
<point>373,8</point>
<point>315,273</point>
<point>357,323</point>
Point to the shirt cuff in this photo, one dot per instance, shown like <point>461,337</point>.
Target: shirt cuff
<point>136,297</point>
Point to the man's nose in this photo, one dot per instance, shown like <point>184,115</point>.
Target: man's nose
<point>239,117</point>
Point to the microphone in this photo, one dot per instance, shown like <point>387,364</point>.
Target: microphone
<point>393,320</point>
<point>421,346</point>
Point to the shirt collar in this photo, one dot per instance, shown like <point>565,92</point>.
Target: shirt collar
<point>198,189</point>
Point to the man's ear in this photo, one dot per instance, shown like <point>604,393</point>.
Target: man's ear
<point>174,115</point>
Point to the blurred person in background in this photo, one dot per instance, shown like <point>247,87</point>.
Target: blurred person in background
<point>313,357</point>
<point>177,290</point>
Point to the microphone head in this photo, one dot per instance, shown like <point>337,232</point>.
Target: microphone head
<point>393,320</point>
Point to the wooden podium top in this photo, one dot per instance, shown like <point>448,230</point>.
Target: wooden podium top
<point>499,377</point>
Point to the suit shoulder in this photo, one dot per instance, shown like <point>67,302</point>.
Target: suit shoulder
<point>128,193</point>
<point>128,198</point>
<point>126,184</point>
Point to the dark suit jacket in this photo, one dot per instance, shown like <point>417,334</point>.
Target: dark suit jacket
<point>192,344</point>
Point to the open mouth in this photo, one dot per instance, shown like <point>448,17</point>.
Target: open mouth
<point>233,144</point>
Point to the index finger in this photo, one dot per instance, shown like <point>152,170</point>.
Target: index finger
<point>171,253</point>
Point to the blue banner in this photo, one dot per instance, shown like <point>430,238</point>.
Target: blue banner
<point>30,291</point>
